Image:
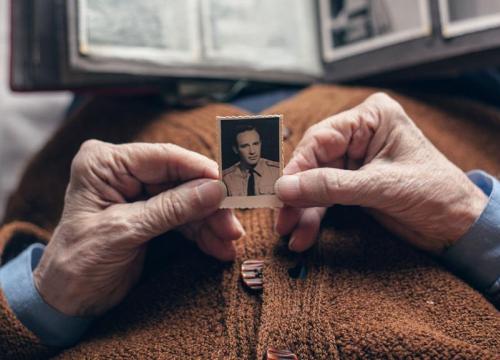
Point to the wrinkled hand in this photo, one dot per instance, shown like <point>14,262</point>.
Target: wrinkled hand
<point>118,198</point>
<point>374,156</point>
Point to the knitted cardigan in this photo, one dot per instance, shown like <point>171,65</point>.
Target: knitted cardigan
<point>367,294</point>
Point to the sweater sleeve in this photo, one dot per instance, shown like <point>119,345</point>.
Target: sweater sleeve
<point>476,256</point>
<point>16,340</point>
<point>50,325</point>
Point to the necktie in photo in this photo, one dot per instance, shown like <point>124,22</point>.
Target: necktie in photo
<point>251,183</point>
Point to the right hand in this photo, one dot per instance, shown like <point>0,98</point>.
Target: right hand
<point>118,198</point>
<point>374,156</point>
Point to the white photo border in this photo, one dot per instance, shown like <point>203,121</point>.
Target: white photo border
<point>256,201</point>
<point>331,53</point>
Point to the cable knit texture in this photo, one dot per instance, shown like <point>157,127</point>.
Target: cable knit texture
<point>366,294</point>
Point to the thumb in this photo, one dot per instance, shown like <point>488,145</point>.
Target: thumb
<point>191,201</point>
<point>328,186</point>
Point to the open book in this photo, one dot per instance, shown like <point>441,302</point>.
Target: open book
<point>93,43</point>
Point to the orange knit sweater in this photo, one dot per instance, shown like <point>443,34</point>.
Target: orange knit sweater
<point>367,294</point>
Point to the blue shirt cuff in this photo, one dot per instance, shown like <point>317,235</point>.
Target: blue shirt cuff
<point>476,256</point>
<point>52,327</point>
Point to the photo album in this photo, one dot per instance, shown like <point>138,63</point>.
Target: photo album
<point>73,44</point>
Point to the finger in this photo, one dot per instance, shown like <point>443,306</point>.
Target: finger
<point>222,223</point>
<point>356,151</point>
<point>324,143</point>
<point>159,163</point>
<point>287,220</point>
<point>328,186</point>
<point>215,242</point>
<point>306,232</point>
<point>225,225</point>
<point>124,169</point>
<point>214,246</point>
<point>189,202</point>
<point>321,146</point>
<point>328,141</point>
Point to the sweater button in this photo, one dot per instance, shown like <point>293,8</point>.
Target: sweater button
<point>275,354</point>
<point>251,274</point>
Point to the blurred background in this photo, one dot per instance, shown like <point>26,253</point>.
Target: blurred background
<point>26,120</point>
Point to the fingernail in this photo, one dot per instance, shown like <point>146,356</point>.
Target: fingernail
<point>288,187</point>
<point>240,227</point>
<point>243,232</point>
<point>211,192</point>
<point>275,228</point>
<point>291,243</point>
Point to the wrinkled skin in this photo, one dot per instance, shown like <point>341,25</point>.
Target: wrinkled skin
<point>118,198</point>
<point>374,156</point>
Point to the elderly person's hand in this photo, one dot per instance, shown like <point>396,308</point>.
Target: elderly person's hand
<point>118,198</point>
<point>374,156</point>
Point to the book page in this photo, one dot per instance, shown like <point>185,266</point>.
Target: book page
<point>155,30</point>
<point>264,34</point>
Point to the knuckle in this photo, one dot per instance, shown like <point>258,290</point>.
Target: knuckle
<point>383,101</point>
<point>380,96</point>
<point>326,142</point>
<point>311,133</point>
<point>142,213</point>
<point>90,146</point>
<point>114,226</point>
<point>172,209</point>
<point>330,185</point>
<point>321,138</point>
<point>82,159</point>
<point>370,116</point>
<point>147,219</point>
<point>380,186</point>
<point>312,129</point>
<point>170,148</point>
<point>118,223</point>
<point>382,107</point>
<point>80,163</point>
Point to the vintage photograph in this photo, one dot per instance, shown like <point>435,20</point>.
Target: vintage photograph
<point>351,27</point>
<point>459,17</point>
<point>250,159</point>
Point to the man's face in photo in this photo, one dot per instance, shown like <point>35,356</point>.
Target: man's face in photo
<point>248,147</point>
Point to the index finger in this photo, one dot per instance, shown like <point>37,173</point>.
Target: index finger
<point>333,140</point>
<point>122,172</point>
<point>161,163</point>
